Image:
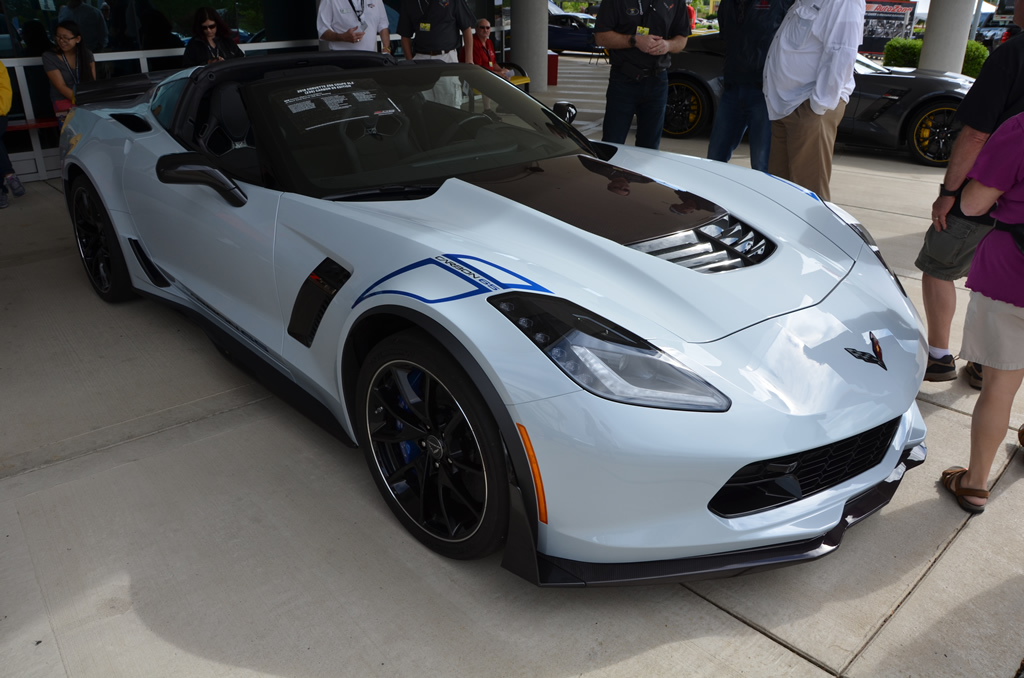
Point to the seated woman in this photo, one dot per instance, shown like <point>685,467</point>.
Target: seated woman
<point>67,66</point>
<point>211,40</point>
<point>483,50</point>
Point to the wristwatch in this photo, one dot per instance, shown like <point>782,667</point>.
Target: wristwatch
<point>945,192</point>
<point>632,41</point>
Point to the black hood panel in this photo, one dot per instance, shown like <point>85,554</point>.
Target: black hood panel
<point>600,198</point>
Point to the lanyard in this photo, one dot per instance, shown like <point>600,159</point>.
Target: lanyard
<point>215,50</point>
<point>74,72</point>
<point>362,8</point>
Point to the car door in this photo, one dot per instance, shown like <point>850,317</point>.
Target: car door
<point>219,254</point>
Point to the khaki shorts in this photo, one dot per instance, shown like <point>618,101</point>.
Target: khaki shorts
<point>947,254</point>
<point>993,333</point>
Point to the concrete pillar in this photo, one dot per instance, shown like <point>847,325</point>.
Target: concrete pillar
<point>529,38</point>
<point>945,36</point>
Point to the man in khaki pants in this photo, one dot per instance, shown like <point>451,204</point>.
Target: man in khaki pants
<point>808,78</point>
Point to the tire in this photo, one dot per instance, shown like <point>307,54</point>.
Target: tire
<point>439,463</point>
<point>688,109</point>
<point>931,133</point>
<point>98,246</point>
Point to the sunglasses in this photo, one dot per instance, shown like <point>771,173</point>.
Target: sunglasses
<point>484,28</point>
<point>209,27</point>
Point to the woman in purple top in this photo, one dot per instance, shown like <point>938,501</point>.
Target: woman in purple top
<point>994,326</point>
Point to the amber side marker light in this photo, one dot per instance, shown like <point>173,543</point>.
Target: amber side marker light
<point>542,503</point>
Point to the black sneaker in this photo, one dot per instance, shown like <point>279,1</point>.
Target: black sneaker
<point>973,372</point>
<point>941,369</point>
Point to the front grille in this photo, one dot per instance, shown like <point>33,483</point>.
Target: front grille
<point>774,482</point>
<point>721,245</point>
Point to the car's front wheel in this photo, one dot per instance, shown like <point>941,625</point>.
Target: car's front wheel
<point>931,133</point>
<point>687,110</point>
<point>97,244</point>
<point>433,447</point>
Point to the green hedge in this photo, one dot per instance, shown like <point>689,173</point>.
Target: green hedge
<point>904,52</point>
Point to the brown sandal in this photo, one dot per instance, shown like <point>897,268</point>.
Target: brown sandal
<point>951,479</point>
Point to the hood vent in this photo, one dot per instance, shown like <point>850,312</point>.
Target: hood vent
<point>721,245</point>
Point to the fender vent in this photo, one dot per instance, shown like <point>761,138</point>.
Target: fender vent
<point>721,245</point>
<point>315,295</point>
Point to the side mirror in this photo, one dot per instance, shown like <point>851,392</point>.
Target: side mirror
<point>195,169</point>
<point>565,110</point>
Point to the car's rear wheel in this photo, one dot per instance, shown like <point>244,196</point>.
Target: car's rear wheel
<point>97,244</point>
<point>687,110</point>
<point>931,133</point>
<point>433,447</point>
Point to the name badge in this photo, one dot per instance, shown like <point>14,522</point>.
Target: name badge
<point>424,27</point>
<point>643,30</point>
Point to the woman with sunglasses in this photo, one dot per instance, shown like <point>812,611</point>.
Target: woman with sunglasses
<point>67,66</point>
<point>211,40</point>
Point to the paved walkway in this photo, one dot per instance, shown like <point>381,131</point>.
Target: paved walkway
<point>163,515</point>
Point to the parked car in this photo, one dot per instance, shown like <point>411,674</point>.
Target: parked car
<point>619,364</point>
<point>898,108</point>
<point>569,32</point>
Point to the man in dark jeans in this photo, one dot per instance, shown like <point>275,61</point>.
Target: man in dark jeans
<point>8,179</point>
<point>747,28</point>
<point>640,36</point>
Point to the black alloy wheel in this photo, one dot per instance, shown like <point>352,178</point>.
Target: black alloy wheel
<point>931,133</point>
<point>433,447</point>
<point>687,110</point>
<point>97,244</point>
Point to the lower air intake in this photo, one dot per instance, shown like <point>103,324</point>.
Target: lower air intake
<point>773,482</point>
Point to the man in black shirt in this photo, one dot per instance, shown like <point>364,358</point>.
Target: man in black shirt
<point>430,29</point>
<point>997,94</point>
<point>747,28</point>
<point>640,35</point>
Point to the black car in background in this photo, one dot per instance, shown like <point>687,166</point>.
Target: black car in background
<point>898,108</point>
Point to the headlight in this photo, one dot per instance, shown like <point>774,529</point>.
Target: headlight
<point>859,229</point>
<point>606,359</point>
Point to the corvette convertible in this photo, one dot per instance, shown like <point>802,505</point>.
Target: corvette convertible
<point>619,365</point>
<point>897,108</point>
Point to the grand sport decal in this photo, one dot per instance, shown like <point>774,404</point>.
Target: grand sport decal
<point>448,277</point>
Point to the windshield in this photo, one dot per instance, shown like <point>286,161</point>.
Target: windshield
<point>353,130</point>
<point>863,65</point>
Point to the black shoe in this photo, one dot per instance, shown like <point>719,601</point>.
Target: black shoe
<point>941,369</point>
<point>973,372</point>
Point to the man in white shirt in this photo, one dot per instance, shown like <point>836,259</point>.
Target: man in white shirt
<point>808,78</point>
<point>344,24</point>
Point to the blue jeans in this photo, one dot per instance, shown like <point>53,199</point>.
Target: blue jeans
<point>646,99</point>
<point>742,109</point>
<point>5,160</point>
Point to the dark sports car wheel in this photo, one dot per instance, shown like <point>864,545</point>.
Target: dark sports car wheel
<point>433,447</point>
<point>688,109</point>
<point>97,244</point>
<point>931,133</point>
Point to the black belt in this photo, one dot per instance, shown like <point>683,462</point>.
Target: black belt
<point>443,51</point>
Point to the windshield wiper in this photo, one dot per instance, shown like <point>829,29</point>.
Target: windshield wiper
<point>388,192</point>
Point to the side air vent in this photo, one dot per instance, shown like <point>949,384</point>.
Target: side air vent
<point>132,122</point>
<point>721,245</point>
<point>315,295</point>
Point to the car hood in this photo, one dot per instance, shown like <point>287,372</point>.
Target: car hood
<point>581,228</point>
<point>957,80</point>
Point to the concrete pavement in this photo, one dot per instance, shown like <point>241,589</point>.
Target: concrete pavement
<point>162,514</point>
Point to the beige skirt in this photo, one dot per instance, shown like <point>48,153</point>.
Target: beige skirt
<point>993,333</point>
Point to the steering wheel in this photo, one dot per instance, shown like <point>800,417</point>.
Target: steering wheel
<point>452,130</point>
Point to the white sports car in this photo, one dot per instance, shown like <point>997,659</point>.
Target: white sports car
<point>620,364</point>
